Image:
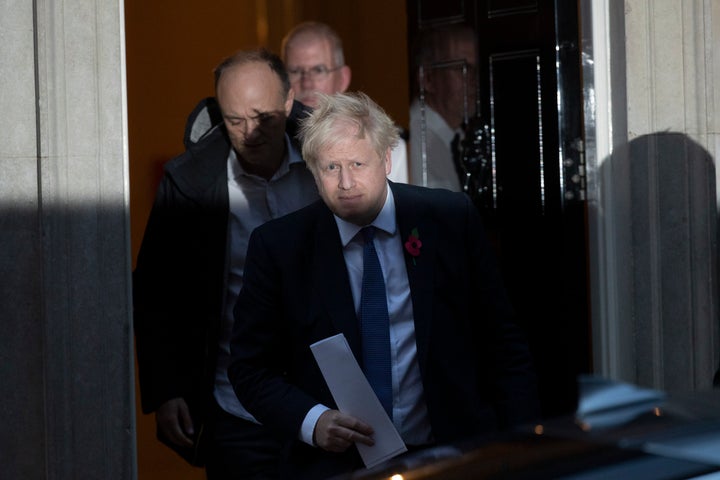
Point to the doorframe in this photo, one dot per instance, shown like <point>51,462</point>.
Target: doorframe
<point>603,65</point>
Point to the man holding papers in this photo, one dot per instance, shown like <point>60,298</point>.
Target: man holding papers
<point>406,274</point>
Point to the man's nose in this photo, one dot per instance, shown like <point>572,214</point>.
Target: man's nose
<point>346,180</point>
<point>252,128</point>
<point>306,81</point>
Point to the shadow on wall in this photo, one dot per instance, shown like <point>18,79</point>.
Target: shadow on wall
<point>665,214</point>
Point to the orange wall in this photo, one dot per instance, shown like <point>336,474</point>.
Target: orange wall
<point>172,47</point>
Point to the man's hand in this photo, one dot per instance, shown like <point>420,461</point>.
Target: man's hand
<point>336,431</point>
<point>174,422</point>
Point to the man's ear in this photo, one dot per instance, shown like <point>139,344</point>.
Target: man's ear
<point>388,161</point>
<point>345,78</point>
<point>289,102</point>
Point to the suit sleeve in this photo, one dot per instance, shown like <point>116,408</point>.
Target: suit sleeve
<point>161,340</point>
<point>261,345</point>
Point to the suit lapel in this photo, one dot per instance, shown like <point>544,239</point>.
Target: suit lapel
<point>331,274</point>
<point>419,268</point>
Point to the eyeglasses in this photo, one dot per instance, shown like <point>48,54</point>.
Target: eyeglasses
<point>318,72</point>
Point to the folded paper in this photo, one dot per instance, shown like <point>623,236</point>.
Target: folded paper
<point>354,396</point>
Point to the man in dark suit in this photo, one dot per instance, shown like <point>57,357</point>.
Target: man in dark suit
<point>243,172</point>
<point>459,365</point>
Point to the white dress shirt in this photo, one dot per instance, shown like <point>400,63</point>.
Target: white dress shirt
<point>438,166</point>
<point>399,170</point>
<point>253,201</point>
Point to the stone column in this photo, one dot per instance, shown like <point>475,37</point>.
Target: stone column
<point>653,203</point>
<point>65,326</point>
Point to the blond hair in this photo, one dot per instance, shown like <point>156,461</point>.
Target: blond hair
<point>334,112</point>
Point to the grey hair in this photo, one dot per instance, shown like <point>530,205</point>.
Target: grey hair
<point>315,30</point>
<point>319,129</point>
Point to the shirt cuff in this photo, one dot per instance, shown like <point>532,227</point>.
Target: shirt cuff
<point>308,426</point>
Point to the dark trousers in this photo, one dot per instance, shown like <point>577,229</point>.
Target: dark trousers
<point>240,450</point>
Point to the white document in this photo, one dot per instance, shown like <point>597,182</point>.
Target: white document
<point>354,396</point>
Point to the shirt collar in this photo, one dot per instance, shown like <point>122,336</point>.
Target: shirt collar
<point>385,221</point>
<point>291,158</point>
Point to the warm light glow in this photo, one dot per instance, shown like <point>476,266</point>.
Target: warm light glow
<point>397,476</point>
<point>262,21</point>
<point>539,429</point>
<point>585,427</point>
<point>657,411</point>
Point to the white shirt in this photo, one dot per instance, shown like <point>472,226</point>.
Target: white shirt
<point>253,201</point>
<point>409,408</point>
<point>398,156</point>
<point>438,164</point>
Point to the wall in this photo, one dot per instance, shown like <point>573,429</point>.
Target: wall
<point>65,337</point>
<point>172,48</point>
<point>652,196</point>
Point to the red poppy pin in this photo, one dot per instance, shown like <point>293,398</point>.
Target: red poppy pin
<point>413,244</point>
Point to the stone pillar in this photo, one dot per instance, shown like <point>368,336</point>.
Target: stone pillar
<point>653,199</point>
<point>65,322</point>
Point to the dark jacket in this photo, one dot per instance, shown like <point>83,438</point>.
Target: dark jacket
<point>178,282</point>
<point>474,362</point>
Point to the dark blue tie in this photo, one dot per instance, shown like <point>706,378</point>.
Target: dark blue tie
<point>375,324</point>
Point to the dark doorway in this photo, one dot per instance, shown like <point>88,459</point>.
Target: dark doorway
<point>530,98</point>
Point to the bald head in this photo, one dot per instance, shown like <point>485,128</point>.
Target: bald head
<point>255,102</point>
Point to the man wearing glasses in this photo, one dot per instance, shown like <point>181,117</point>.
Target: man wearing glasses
<point>314,58</point>
<point>448,99</point>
